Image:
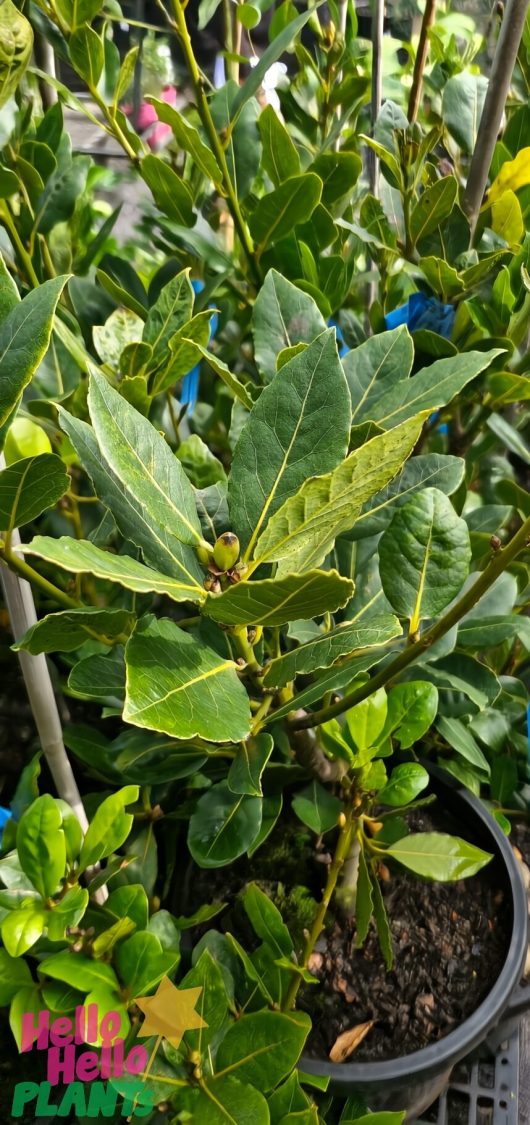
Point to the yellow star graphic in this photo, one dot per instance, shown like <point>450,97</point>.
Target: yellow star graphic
<point>170,1012</point>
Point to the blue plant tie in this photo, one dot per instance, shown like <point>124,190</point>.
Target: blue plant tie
<point>5,815</point>
<point>423,312</point>
<point>341,343</point>
<point>190,383</point>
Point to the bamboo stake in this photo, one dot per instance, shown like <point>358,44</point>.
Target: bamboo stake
<point>420,60</point>
<point>508,44</point>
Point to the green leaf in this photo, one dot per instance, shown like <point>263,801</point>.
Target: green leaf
<point>69,629</point>
<point>181,687</point>
<point>244,775</point>
<point>430,389</point>
<point>41,845</point>
<point>298,427</point>
<point>188,139</point>
<point>83,557</point>
<point>129,902</point>
<point>263,1047</point>
<point>329,647</point>
<point>339,172</point>
<point>223,826</point>
<point>364,904</point>
<point>302,532</point>
<point>141,963</point>
<point>279,158</point>
<point>366,721</point>
<point>169,191</point>
<point>434,855</point>
<point>22,928</point>
<point>433,206</point>
<point>126,75</point>
<point>9,294</point>
<point>507,218</point>
<point>67,913</point>
<point>24,338</point>
<point>381,922</point>
<point>483,632</point>
<point>280,43</point>
<point>170,312</point>
<point>462,103</point>
<point>242,144</point>
<point>290,1099</point>
<point>16,38</point>
<point>230,380</point>
<point>57,202</point>
<point>266,920</point>
<point>136,474</point>
<point>283,316</point>
<point>504,780</point>
<point>100,676</point>
<point>412,709</point>
<point>29,487</point>
<point>424,556</point>
<point>375,366</point>
<point>26,1001</point>
<point>458,735</point>
<point>317,808</point>
<point>277,213</point>
<point>78,971</point>
<point>152,759</point>
<point>14,974</point>
<point>109,827</point>
<point>405,783</point>
<point>224,1101</point>
<point>274,601</point>
<point>85,50</point>
<point>212,1005</point>
<point>431,470</point>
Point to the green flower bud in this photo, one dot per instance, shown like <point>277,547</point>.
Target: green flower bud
<point>226,550</point>
<point>205,555</point>
<point>25,439</point>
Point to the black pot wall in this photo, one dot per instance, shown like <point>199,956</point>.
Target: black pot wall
<point>414,1081</point>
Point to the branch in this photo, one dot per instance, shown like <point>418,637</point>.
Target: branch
<point>420,60</point>
<point>500,561</point>
<point>490,122</point>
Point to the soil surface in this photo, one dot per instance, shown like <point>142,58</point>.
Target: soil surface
<point>450,943</point>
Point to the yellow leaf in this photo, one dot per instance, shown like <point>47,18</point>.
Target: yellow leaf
<point>507,218</point>
<point>513,175</point>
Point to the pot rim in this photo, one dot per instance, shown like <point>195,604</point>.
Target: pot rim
<point>447,1051</point>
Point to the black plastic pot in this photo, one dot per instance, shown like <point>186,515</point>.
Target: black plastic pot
<point>414,1081</point>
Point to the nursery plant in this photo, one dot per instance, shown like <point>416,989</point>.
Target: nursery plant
<point>271,609</point>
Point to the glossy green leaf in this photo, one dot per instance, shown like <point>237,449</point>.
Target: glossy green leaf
<point>433,206</point>
<point>109,827</point>
<point>244,775</point>
<point>129,902</point>
<point>86,53</point>
<point>366,721</point>
<point>339,172</point>
<point>298,427</point>
<point>67,913</point>
<point>141,963</point>
<point>263,1047</point>
<point>430,389</point>
<point>325,650</point>
<point>430,470</point>
<point>212,1004</point>
<point>100,676</point>
<point>41,845</point>
<point>181,687</point>
<point>279,158</point>
<point>381,922</point>
<point>224,1101</point>
<point>274,601</point>
<point>317,808</point>
<point>57,201</point>
<point>233,382</point>
<point>504,779</point>
<point>463,99</point>
<point>188,138</point>
<point>149,758</point>
<point>375,366</point>
<point>14,974</point>
<point>24,338</point>
<point>458,735</point>
<point>223,826</point>
<point>283,316</point>
<point>266,920</point>
<point>69,629</point>
<point>29,487</point>
<point>273,52</point>
<point>21,928</point>
<point>277,213</point>
<point>405,784</point>
<point>363,902</point>
<point>169,191</point>
<point>433,855</point>
<point>78,971</point>
<point>412,709</point>
<point>172,309</point>
<point>83,557</point>
<point>27,1000</point>
<point>424,556</point>
<point>302,532</point>
<point>16,38</point>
